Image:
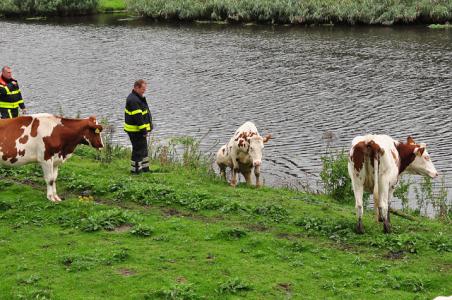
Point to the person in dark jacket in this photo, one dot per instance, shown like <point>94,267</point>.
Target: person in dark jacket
<point>138,124</point>
<point>10,95</point>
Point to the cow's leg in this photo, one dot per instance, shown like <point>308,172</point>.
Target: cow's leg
<point>235,169</point>
<point>383,204</point>
<point>247,175</point>
<point>222,171</point>
<point>390,195</point>
<point>257,173</point>
<point>55,175</point>
<point>358,190</point>
<point>378,216</point>
<point>48,170</point>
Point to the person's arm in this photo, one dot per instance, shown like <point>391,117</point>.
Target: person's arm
<point>2,92</point>
<point>15,86</point>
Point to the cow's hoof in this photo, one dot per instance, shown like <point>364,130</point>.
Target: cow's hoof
<point>386,227</point>
<point>359,227</point>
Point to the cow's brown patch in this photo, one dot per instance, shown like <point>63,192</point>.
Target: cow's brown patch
<point>21,152</point>
<point>363,150</point>
<point>10,131</point>
<point>65,137</point>
<point>34,128</point>
<point>406,154</point>
<point>242,143</point>
<point>358,155</point>
<point>222,150</point>
<point>24,139</point>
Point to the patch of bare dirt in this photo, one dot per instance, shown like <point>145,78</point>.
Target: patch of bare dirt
<point>287,287</point>
<point>126,272</point>
<point>181,279</point>
<point>257,227</point>
<point>395,255</point>
<point>288,236</point>
<point>123,228</point>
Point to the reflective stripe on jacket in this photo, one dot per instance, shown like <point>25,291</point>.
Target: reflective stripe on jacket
<point>137,117</point>
<point>10,95</point>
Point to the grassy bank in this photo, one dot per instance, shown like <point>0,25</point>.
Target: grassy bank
<point>249,11</point>
<point>59,7</point>
<point>180,233</point>
<point>298,11</point>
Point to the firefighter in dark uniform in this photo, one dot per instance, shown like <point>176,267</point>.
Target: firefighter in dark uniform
<point>10,96</point>
<point>138,123</point>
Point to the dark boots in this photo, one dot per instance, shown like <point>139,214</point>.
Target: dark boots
<point>140,160</point>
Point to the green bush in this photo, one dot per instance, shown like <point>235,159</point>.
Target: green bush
<point>233,286</point>
<point>335,178</point>
<point>107,220</point>
<point>48,7</point>
<point>142,230</point>
<point>175,292</point>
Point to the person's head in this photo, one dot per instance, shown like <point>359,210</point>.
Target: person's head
<point>7,73</point>
<point>140,87</point>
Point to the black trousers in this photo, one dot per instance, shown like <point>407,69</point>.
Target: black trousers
<point>8,113</point>
<point>140,161</point>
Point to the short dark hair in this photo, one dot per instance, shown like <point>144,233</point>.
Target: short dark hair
<point>139,83</point>
<point>5,67</point>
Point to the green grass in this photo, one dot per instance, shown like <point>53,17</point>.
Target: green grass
<point>298,11</point>
<point>111,5</point>
<point>440,26</point>
<point>181,233</point>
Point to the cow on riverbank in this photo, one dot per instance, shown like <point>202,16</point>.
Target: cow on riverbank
<point>242,153</point>
<point>375,164</point>
<point>46,139</point>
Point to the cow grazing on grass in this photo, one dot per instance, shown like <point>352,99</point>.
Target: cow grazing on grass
<point>46,139</point>
<point>243,153</point>
<point>375,164</point>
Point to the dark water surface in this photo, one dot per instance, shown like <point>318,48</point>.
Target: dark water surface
<point>296,83</point>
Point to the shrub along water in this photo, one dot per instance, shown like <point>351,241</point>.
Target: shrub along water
<point>48,7</point>
<point>297,11</point>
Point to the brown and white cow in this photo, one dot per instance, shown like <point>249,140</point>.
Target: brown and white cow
<point>375,164</point>
<point>243,153</point>
<point>46,139</point>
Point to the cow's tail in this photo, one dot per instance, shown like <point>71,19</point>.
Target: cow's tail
<point>377,152</point>
<point>376,172</point>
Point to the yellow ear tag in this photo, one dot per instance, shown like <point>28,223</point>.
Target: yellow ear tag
<point>97,131</point>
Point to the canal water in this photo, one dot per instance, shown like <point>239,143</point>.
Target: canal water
<point>311,87</point>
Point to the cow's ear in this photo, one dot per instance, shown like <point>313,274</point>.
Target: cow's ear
<point>92,123</point>
<point>419,151</point>
<point>410,141</point>
<point>267,138</point>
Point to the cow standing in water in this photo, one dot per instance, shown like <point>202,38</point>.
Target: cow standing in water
<point>243,153</point>
<point>48,140</point>
<point>375,164</point>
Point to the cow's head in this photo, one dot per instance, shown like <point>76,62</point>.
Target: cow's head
<point>91,134</point>
<point>421,163</point>
<point>256,148</point>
